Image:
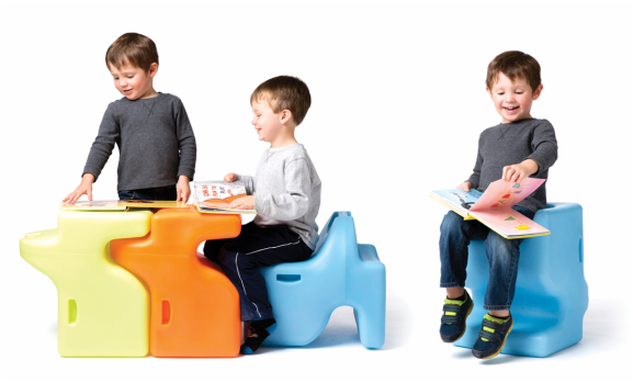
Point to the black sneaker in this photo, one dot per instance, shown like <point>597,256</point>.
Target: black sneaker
<point>492,337</point>
<point>258,331</point>
<point>454,319</point>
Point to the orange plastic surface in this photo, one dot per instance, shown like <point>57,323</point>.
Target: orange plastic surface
<point>194,308</point>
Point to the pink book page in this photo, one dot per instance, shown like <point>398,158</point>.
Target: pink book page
<point>502,195</point>
<point>510,223</point>
<point>494,208</point>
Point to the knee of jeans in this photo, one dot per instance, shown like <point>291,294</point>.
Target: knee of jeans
<point>500,248</point>
<point>451,222</point>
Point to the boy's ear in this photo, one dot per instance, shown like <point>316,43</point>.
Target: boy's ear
<point>153,69</point>
<point>537,92</point>
<point>286,115</point>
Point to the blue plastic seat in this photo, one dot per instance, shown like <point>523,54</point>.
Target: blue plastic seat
<point>340,273</point>
<point>551,295</point>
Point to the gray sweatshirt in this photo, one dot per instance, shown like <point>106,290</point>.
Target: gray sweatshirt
<point>155,140</point>
<point>287,191</point>
<point>511,143</point>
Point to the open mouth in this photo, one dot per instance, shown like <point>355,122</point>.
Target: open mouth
<point>511,108</point>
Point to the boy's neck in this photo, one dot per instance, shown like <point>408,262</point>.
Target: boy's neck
<point>151,94</point>
<point>285,138</point>
<point>282,143</point>
<point>527,117</point>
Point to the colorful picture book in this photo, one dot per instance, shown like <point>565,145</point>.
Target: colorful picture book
<point>122,205</point>
<point>215,197</point>
<point>493,207</point>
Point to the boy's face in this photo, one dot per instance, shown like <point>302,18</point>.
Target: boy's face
<point>268,124</point>
<point>513,100</point>
<point>133,82</point>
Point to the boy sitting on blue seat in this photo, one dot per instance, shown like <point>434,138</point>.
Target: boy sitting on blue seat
<point>285,192</point>
<point>519,147</point>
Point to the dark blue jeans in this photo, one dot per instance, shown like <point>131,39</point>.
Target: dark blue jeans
<point>502,254</point>
<point>167,193</point>
<point>241,257</point>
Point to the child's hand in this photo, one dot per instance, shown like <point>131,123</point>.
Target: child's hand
<point>182,189</point>
<point>518,172</point>
<point>231,177</point>
<point>244,203</point>
<point>466,186</point>
<point>85,187</point>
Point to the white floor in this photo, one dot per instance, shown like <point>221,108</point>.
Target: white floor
<point>413,352</point>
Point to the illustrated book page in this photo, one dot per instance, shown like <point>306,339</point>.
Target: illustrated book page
<point>215,197</point>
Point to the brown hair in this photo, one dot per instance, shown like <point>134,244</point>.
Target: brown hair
<point>514,64</point>
<point>285,92</point>
<point>133,49</point>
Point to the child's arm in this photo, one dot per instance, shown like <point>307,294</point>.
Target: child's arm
<point>182,189</point>
<point>518,172</point>
<point>244,203</point>
<point>294,201</point>
<point>99,153</point>
<point>187,150</point>
<point>85,187</point>
<point>544,154</point>
<point>465,186</point>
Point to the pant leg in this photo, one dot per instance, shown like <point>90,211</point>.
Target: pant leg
<point>455,236</point>
<point>242,257</point>
<point>503,267</point>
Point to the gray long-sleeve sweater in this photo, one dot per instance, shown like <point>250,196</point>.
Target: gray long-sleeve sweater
<point>155,141</point>
<point>511,143</point>
<point>287,191</point>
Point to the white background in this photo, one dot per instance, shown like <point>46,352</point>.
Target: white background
<point>398,104</point>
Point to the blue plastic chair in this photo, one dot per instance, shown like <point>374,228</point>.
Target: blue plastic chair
<point>551,295</point>
<point>340,273</point>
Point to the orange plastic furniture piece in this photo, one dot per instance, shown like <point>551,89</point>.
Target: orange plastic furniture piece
<point>194,308</point>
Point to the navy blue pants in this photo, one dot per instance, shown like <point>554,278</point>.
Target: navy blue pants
<point>255,247</point>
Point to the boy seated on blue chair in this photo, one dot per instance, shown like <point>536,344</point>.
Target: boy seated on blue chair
<point>286,192</point>
<point>519,147</point>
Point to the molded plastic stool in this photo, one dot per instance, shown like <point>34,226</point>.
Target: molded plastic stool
<point>340,273</point>
<point>103,309</point>
<point>551,295</point>
<point>195,309</point>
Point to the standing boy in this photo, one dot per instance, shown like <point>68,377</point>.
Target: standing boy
<point>155,139</point>
<point>519,147</point>
<point>286,192</point>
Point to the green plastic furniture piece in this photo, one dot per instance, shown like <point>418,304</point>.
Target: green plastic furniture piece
<point>103,308</point>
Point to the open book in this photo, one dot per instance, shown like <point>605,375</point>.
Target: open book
<point>122,205</point>
<point>216,196</point>
<point>493,207</point>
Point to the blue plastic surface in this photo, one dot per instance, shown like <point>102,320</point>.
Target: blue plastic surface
<point>340,273</point>
<point>551,295</point>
